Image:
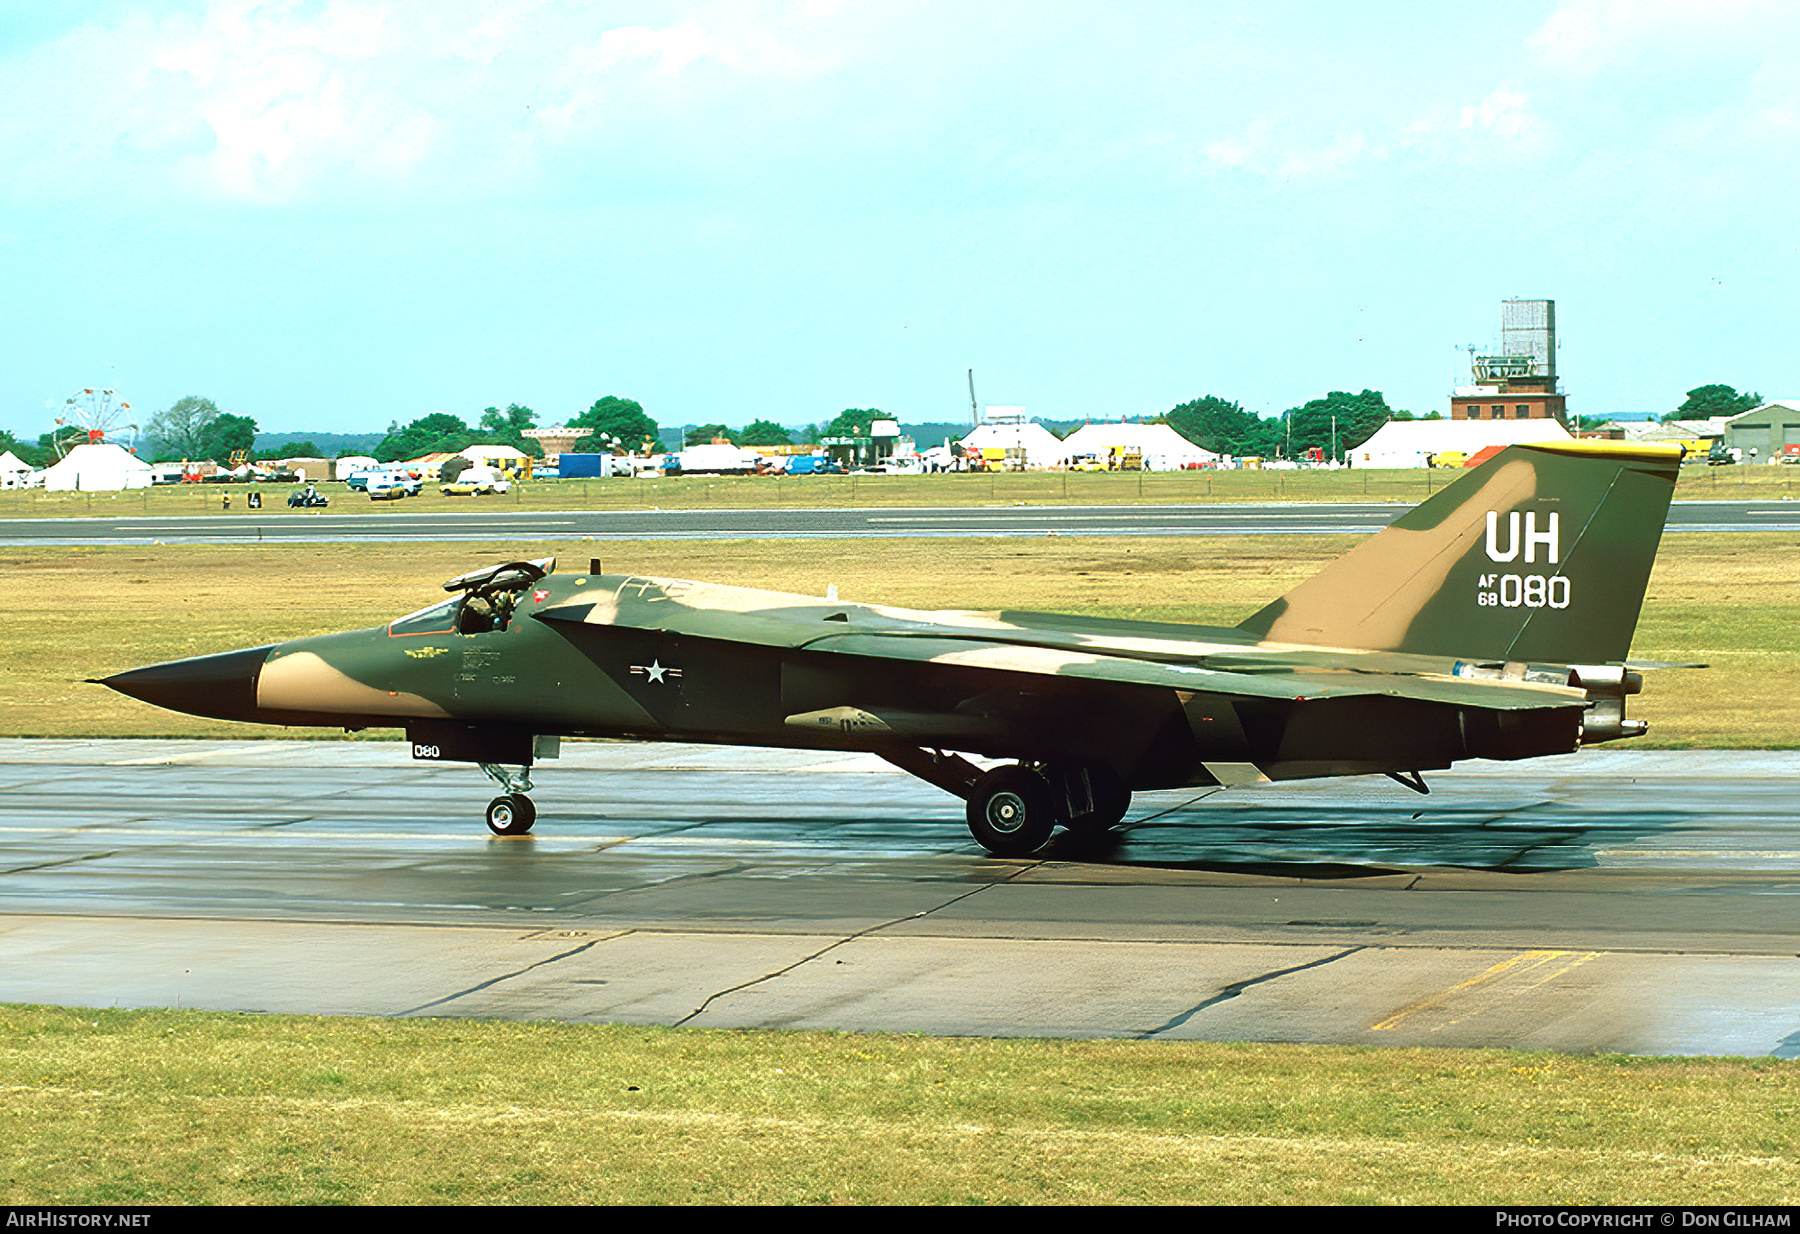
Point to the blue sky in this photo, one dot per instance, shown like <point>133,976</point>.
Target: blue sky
<point>333,215</point>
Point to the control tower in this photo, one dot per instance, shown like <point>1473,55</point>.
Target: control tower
<point>1518,383</point>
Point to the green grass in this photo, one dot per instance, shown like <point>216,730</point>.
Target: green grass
<point>766,492</point>
<point>169,1107</point>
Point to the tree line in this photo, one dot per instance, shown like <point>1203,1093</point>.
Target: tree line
<point>1211,422</point>
<point>195,428</point>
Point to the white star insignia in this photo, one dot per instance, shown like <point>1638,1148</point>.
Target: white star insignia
<point>656,671</point>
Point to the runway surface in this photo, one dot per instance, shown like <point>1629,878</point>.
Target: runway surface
<point>1612,900</point>
<point>389,523</point>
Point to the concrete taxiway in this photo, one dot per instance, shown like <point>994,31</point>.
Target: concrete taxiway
<point>356,520</point>
<point>1612,900</point>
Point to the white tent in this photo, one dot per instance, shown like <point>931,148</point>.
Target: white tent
<point>1409,443</point>
<point>15,472</point>
<point>101,467</point>
<point>1040,446</point>
<point>1163,449</point>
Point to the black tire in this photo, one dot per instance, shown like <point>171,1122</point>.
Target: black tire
<point>1011,812</point>
<point>511,815</point>
<point>1110,799</point>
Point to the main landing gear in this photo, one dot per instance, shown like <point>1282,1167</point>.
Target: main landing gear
<point>1013,809</point>
<point>512,813</point>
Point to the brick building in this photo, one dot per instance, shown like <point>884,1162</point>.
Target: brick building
<point>1519,383</point>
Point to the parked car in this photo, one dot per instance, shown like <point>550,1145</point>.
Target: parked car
<point>475,481</point>
<point>387,490</point>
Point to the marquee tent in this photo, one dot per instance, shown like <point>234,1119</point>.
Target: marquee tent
<point>15,472</point>
<point>101,467</point>
<point>1039,444</point>
<point>1410,443</point>
<point>1163,449</point>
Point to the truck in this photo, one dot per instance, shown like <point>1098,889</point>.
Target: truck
<point>360,481</point>
<point>590,466</point>
<point>716,459</point>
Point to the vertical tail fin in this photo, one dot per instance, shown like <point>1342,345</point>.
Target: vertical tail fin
<point>1541,553</point>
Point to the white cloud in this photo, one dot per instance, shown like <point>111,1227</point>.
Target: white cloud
<point>1592,35</point>
<point>1284,148</point>
<point>1677,84</point>
<point>1694,92</point>
<point>1342,150</point>
<point>288,96</point>
<point>347,100</point>
<point>1506,113</point>
<point>276,99</point>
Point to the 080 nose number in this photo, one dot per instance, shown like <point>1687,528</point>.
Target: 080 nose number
<point>1523,591</point>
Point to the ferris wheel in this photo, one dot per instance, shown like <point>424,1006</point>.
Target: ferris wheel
<point>92,410</point>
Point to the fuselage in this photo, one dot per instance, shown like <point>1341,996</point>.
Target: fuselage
<point>638,658</point>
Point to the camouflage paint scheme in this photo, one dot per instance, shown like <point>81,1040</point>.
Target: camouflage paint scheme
<point>1491,621</point>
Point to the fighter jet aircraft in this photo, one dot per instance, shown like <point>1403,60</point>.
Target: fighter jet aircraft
<point>1491,621</point>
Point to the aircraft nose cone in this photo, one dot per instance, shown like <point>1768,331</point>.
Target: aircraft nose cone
<point>221,686</point>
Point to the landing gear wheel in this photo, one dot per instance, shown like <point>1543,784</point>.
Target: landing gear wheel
<point>511,815</point>
<point>1011,812</point>
<point>1107,795</point>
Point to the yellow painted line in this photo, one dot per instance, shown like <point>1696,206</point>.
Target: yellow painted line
<point>1514,991</point>
<point>1576,963</point>
<point>1525,962</point>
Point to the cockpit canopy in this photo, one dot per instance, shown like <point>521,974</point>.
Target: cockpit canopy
<point>484,603</point>
<point>510,576</point>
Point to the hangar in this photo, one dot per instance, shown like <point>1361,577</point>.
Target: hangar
<point>1766,429</point>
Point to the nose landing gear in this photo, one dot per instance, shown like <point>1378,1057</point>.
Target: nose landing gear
<point>512,813</point>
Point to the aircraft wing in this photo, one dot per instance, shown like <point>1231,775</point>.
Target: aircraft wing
<point>1179,663</point>
<point>1296,686</point>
